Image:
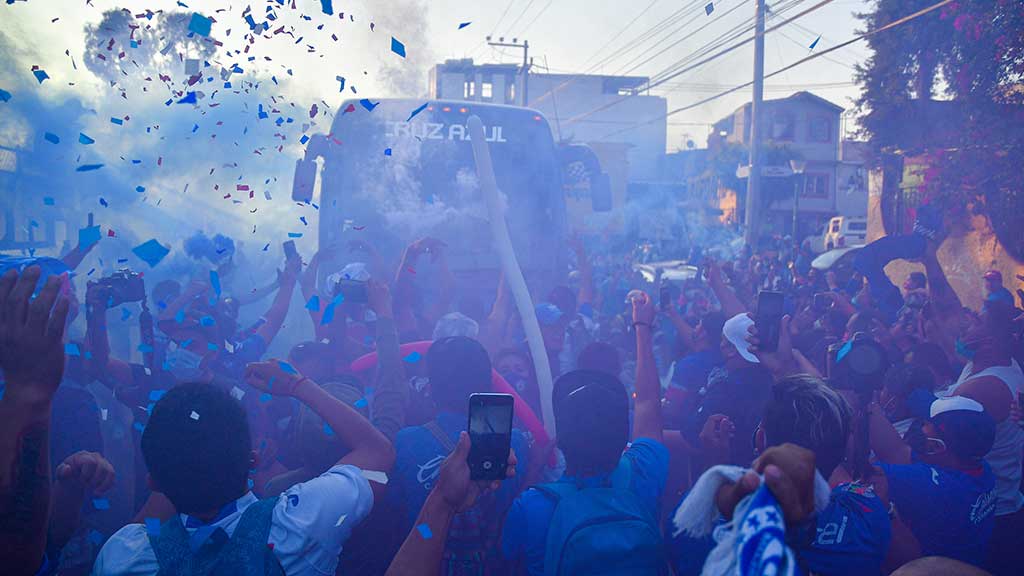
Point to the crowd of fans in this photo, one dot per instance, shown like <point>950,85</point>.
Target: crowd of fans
<point>882,434</point>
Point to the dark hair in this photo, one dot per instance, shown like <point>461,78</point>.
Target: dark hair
<point>564,298</point>
<point>315,357</point>
<point>902,379</point>
<point>713,323</point>
<point>968,435</point>
<point>803,410</point>
<point>918,279</point>
<point>600,356</point>
<point>457,367</point>
<point>197,447</point>
<point>592,417</point>
<point>863,321</point>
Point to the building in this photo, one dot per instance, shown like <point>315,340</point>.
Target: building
<point>804,127</point>
<point>585,109</point>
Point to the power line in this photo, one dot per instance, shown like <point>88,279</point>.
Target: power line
<point>621,32</point>
<point>539,14</point>
<point>495,29</point>
<point>821,54</point>
<point>520,17</point>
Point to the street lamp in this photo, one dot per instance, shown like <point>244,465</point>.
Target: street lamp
<point>798,167</point>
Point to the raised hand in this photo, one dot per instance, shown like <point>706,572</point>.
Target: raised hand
<point>643,308</point>
<point>274,376</point>
<point>86,471</point>
<point>32,334</point>
<point>454,484</point>
<point>378,297</point>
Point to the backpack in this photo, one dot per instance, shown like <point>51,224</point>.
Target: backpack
<point>245,553</point>
<point>601,530</point>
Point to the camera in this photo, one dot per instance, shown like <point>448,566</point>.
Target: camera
<point>122,286</point>
<point>859,364</point>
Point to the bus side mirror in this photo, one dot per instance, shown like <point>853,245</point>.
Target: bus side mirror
<point>305,177</point>
<point>601,193</point>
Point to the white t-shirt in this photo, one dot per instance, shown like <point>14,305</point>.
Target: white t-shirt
<point>310,523</point>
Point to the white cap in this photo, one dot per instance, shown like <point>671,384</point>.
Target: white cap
<point>952,403</point>
<point>736,331</point>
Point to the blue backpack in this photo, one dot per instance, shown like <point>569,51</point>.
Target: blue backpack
<point>245,553</point>
<point>601,530</point>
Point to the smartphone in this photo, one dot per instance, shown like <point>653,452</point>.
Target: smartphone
<point>353,291</point>
<point>490,435</point>
<point>822,302</point>
<point>770,307</point>
<point>665,297</point>
<point>289,250</point>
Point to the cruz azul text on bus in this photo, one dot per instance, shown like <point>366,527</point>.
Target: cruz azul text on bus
<point>439,131</point>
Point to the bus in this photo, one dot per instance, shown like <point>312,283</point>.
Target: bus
<point>396,170</point>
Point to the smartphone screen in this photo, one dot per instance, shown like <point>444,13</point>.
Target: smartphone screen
<point>353,291</point>
<point>665,297</point>
<point>289,249</point>
<point>490,434</point>
<point>770,306</point>
<point>822,302</point>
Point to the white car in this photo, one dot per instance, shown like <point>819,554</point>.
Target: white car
<point>840,232</point>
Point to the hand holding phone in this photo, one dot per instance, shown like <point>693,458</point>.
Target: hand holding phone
<point>353,291</point>
<point>768,319</point>
<point>490,434</point>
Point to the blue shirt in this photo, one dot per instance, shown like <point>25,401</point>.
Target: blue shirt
<point>692,370</point>
<point>951,512</point>
<point>852,534</point>
<point>526,526</point>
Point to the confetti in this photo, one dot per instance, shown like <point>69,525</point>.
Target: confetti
<point>815,43</point>
<point>413,358</point>
<point>709,8</point>
<point>40,74</point>
<point>145,348</point>
<point>417,111</point>
<point>375,476</point>
<point>326,6</point>
<point>200,24</point>
<point>101,503</point>
<point>189,98</point>
<point>51,137</point>
<point>425,532</point>
<point>237,392</point>
<point>95,536</point>
<point>140,189</point>
<point>287,368</point>
<point>340,520</point>
<point>156,395</point>
<point>151,252</point>
<point>194,415</point>
<point>71,349</point>
<point>265,397</point>
<point>4,95</point>
<point>88,167</point>
<point>397,47</point>
<point>215,282</point>
<point>117,121</point>
<point>387,151</point>
<point>83,139</point>
<point>464,24</point>
<point>361,403</point>
<point>328,430</point>
<point>313,304</point>
<point>365,102</point>
<point>88,236</point>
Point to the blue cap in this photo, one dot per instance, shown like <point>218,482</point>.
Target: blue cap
<point>547,313</point>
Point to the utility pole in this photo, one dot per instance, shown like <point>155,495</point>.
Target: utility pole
<point>525,47</point>
<point>753,216</point>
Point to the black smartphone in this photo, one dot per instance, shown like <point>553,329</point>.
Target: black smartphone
<point>665,297</point>
<point>289,250</point>
<point>352,291</point>
<point>490,435</point>
<point>770,307</point>
<point>822,302</point>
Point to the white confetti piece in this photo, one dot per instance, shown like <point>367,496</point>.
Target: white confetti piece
<point>375,476</point>
<point>194,415</point>
<point>342,519</point>
<point>237,392</point>
<point>103,414</point>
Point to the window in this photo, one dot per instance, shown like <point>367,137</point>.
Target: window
<point>819,129</point>
<point>815,186</point>
<point>486,90</point>
<point>857,226</point>
<point>783,126</point>
<point>469,89</point>
<point>511,91</point>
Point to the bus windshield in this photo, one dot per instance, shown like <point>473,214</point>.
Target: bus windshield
<point>397,179</point>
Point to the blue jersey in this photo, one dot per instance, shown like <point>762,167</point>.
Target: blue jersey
<point>852,535</point>
<point>950,512</point>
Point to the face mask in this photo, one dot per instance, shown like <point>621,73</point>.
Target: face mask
<point>921,443</point>
<point>183,363</point>
<point>963,350</point>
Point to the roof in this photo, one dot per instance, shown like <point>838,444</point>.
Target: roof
<point>802,95</point>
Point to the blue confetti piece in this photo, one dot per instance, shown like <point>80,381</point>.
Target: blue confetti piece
<point>327,7</point>
<point>96,537</point>
<point>83,139</point>
<point>265,397</point>
<point>101,503</point>
<point>387,151</point>
<point>397,47</point>
<point>151,252</point>
<point>117,121</point>
<point>88,167</point>
<point>815,43</point>
<point>41,75</point>
<point>4,95</point>
<point>413,358</point>
<point>250,483</point>
<point>51,137</point>
<point>140,189</point>
<point>215,282</point>
<point>71,349</point>
<point>138,426</point>
<point>145,348</point>
<point>304,139</point>
<point>266,247</point>
<point>288,368</point>
<point>328,430</point>
<point>153,527</point>
<point>464,24</point>
<point>424,531</point>
<point>189,98</point>
<point>195,127</point>
<point>295,234</point>
<point>328,316</point>
<point>417,111</point>
<point>47,200</point>
<point>125,314</point>
<point>103,202</point>
<point>179,317</point>
<point>88,236</point>
<point>365,102</point>
<point>156,395</point>
<point>200,24</point>
<point>211,346</point>
<point>361,403</point>
<point>313,304</point>
<point>709,8</point>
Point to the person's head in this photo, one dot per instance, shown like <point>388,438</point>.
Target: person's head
<point>455,324</point>
<point>708,332</point>
<point>316,449</point>
<point>991,331</point>
<point>197,448</point>
<point>312,359</point>
<point>592,417</point>
<point>932,357</point>
<point>600,356</point>
<point>916,281</point>
<point>457,367</point>
<point>805,411</point>
<point>957,434</point>
<point>993,280</point>
<point>552,326</point>
<point>734,346</point>
<point>907,391</point>
<point>564,298</point>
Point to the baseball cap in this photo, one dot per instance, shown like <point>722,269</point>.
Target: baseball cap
<point>547,313</point>
<point>954,403</point>
<point>736,331</point>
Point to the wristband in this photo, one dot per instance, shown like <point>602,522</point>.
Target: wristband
<point>635,324</point>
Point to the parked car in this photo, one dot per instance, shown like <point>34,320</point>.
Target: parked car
<point>840,232</point>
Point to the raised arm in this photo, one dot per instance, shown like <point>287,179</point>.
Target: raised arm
<point>279,308</point>
<point>884,439</point>
<point>647,421</point>
<point>390,391</point>
<point>731,304</point>
<point>167,319</point>
<point>586,292</point>
<point>32,360</point>
<point>111,372</point>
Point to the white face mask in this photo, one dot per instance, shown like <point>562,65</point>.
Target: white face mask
<point>184,364</point>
